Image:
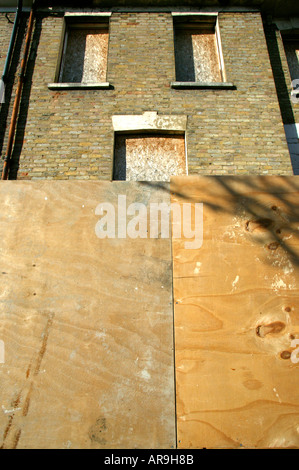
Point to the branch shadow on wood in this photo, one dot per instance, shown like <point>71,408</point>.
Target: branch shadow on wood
<point>250,195</point>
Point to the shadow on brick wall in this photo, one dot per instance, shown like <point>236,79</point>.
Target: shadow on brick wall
<point>6,107</point>
<point>25,100</point>
<point>282,89</point>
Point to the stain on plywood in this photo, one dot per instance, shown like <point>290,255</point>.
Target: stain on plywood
<point>149,157</point>
<point>236,313</point>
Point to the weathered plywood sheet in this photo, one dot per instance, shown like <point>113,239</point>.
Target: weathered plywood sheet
<point>149,157</point>
<point>85,56</point>
<point>236,302</point>
<point>86,323</point>
<point>196,56</point>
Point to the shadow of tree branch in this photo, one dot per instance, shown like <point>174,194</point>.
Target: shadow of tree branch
<point>261,198</point>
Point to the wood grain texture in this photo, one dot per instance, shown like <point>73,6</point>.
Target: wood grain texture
<point>87,323</point>
<point>236,303</point>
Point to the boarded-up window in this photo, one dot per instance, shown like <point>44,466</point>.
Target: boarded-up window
<point>149,157</point>
<point>197,52</point>
<point>85,54</point>
<point>292,53</point>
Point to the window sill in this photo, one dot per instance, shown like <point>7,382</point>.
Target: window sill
<point>79,86</point>
<point>204,85</point>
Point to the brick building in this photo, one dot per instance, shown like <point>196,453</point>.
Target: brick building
<point>152,90</point>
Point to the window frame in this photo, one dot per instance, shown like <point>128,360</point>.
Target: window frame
<point>150,122</point>
<point>80,20</point>
<point>193,20</point>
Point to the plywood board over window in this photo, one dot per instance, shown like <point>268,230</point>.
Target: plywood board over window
<point>85,57</point>
<point>84,50</point>
<point>149,157</point>
<point>198,55</point>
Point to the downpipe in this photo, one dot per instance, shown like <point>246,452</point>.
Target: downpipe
<point>13,36</point>
<point>16,106</point>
